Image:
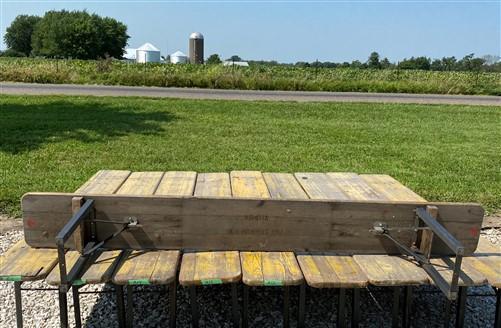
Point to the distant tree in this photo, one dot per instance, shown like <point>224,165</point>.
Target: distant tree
<point>385,63</point>
<point>213,59</point>
<point>436,65</point>
<point>470,63</point>
<point>449,63</point>
<point>422,62</point>
<point>18,35</point>
<point>235,58</point>
<point>302,64</point>
<point>11,53</point>
<point>77,34</point>
<point>354,64</point>
<point>373,61</point>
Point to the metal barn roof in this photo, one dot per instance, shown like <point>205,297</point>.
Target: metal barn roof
<point>148,47</point>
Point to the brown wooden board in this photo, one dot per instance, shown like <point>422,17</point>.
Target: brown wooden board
<point>246,224</point>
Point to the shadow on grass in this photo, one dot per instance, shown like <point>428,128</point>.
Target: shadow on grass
<point>26,127</point>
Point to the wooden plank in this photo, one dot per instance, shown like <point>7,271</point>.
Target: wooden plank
<point>385,270</point>
<point>488,266</point>
<point>140,183</point>
<point>270,269</point>
<point>54,278</point>
<point>147,267</point>
<point>332,271</point>
<point>320,186</point>
<point>23,263</point>
<point>209,268</point>
<point>390,188</point>
<point>213,185</point>
<point>468,276</point>
<point>176,183</point>
<point>355,187</point>
<point>247,224</point>
<point>248,184</point>
<point>284,186</point>
<point>104,182</point>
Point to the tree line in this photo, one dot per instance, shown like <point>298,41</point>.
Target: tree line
<point>66,34</point>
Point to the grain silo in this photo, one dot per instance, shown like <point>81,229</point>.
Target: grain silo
<point>196,48</point>
<point>178,58</point>
<point>147,53</point>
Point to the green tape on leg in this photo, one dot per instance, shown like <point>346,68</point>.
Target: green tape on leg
<point>139,282</point>
<point>11,278</point>
<point>273,282</point>
<point>79,282</point>
<point>211,281</point>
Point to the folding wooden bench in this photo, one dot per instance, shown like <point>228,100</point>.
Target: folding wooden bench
<point>23,263</point>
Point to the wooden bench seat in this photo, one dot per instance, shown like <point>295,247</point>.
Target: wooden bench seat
<point>210,268</point>
<point>270,269</point>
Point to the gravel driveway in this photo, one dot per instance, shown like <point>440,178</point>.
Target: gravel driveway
<point>40,308</point>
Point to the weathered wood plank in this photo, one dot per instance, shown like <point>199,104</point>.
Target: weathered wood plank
<point>140,183</point>
<point>270,269</point>
<point>355,187</point>
<point>390,188</point>
<point>248,184</point>
<point>332,271</point>
<point>177,183</point>
<point>468,277</point>
<point>284,186</point>
<point>246,224</point>
<point>213,185</point>
<point>210,268</point>
<point>104,182</point>
<point>320,186</point>
<point>23,263</point>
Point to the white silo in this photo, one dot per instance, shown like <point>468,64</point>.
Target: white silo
<point>147,53</point>
<point>178,58</point>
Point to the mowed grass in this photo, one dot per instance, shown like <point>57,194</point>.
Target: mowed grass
<point>445,153</point>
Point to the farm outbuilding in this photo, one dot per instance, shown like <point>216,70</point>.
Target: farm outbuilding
<point>147,53</point>
<point>178,57</point>
<point>130,54</point>
<point>235,63</point>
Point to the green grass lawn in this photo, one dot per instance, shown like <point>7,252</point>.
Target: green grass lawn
<point>445,153</point>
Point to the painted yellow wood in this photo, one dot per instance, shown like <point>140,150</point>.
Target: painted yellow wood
<point>141,183</point>
<point>209,268</point>
<point>248,184</point>
<point>355,187</point>
<point>386,270</point>
<point>468,276</point>
<point>22,262</point>
<point>54,277</point>
<point>213,185</point>
<point>332,271</point>
<point>489,266</point>
<point>147,267</point>
<point>284,186</point>
<point>320,186</point>
<point>270,269</point>
<point>104,182</point>
<point>485,247</point>
<point>177,183</point>
<point>390,188</point>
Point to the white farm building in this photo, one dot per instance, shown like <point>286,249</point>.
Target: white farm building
<point>147,53</point>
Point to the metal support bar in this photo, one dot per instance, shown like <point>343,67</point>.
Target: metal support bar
<point>120,306</point>
<point>341,309</point>
<point>19,304</point>
<point>395,320</point>
<point>234,305</point>
<point>497,318</point>
<point>172,304</point>
<point>286,307</point>
<point>129,314</point>
<point>302,305</point>
<point>355,315</point>
<point>447,313</point>
<point>195,315</point>
<point>440,231</point>
<point>63,307</point>
<point>461,307</point>
<point>76,306</point>
<point>245,308</point>
<point>407,307</point>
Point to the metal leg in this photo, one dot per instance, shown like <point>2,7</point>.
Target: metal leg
<point>19,304</point>
<point>120,305</point>
<point>286,306</point>
<point>341,310</point>
<point>302,305</point>
<point>63,307</point>
<point>355,316</point>
<point>497,318</point>
<point>172,304</point>
<point>245,310</point>
<point>396,308</point>
<point>195,315</point>
<point>461,306</point>
<point>447,313</point>
<point>407,306</point>
<point>76,306</point>
<point>129,315</point>
<point>234,305</point>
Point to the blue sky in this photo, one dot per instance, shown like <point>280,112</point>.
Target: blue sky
<point>290,31</point>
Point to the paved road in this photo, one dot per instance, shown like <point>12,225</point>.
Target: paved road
<point>192,93</point>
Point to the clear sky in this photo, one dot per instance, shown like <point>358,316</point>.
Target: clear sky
<point>290,31</point>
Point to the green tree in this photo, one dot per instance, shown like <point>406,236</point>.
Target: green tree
<point>373,61</point>
<point>235,58</point>
<point>385,63</point>
<point>18,35</point>
<point>213,59</point>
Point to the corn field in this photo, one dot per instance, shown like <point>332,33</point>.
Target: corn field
<point>256,77</point>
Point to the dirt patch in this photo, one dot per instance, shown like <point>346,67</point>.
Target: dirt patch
<point>492,221</point>
<point>7,223</point>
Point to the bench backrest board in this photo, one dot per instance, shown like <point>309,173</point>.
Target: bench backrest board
<point>247,224</point>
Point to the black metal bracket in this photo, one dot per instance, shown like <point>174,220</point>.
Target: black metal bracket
<point>449,289</point>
